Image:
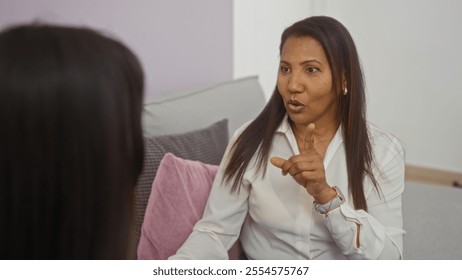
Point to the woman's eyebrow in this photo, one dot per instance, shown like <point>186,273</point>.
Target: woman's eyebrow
<point>309,61</point>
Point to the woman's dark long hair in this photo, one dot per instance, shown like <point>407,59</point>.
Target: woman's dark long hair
<point>71,145</point>
<point>344,63</point>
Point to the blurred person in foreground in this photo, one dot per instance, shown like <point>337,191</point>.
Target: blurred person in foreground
<point>71,143</point>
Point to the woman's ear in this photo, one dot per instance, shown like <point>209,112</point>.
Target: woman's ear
<point>344,85</point>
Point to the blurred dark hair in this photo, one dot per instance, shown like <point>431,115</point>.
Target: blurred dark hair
<point>71,145</point>
<point>344,64</point>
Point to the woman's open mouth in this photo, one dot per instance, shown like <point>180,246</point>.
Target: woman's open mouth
<point>294,105</point>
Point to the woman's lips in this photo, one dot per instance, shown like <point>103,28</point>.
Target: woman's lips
<point>294,105</point>
<point>295,102</point>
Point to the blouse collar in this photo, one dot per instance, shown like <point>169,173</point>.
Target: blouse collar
<point>334,144</point>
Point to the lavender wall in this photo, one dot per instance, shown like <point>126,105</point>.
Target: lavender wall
<point>182,44</point>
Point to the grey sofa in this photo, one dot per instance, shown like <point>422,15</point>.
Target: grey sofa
<point>432,214</point>
<point>195,125</point>
<point>433,222</point>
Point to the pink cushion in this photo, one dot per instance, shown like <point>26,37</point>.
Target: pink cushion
<point>178,197</point>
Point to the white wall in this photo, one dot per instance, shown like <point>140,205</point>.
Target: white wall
<point>410,51</point>
<point>257,27</point>
<point>182,44</point>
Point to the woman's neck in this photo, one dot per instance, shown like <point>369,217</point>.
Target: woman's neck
<point>323,133</point>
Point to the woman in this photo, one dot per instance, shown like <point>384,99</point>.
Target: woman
<point>309,178</point>
<point>71,143</point>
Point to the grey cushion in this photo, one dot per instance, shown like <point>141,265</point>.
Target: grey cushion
<point>238,101</point>
<point>206,145</point>
<point>433,222</point>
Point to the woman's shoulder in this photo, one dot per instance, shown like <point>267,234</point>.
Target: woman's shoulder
<point>384,144</point>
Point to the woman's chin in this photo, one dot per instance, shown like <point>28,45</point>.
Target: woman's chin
<point>299,119</point>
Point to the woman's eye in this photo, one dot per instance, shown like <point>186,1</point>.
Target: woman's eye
<point>284,69</point>
<point>312,69</point>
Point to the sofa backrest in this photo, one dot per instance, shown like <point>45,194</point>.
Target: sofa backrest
<point>238,101</point>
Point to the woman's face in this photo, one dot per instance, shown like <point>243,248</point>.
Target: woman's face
<point>305,82</point>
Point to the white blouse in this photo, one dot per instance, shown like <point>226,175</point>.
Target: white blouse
<point>274,217</point>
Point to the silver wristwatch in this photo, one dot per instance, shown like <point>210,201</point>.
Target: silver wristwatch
<point>334,203</point>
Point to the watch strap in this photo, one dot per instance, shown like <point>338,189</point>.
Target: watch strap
<point>334,203</point>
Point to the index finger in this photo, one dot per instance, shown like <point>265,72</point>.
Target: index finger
<point>309,139</point>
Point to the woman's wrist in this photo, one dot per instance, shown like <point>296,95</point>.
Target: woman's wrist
<point>327,207</point>
<point>325,196</point>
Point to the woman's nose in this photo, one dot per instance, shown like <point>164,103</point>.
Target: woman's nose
<point>295,84</point>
